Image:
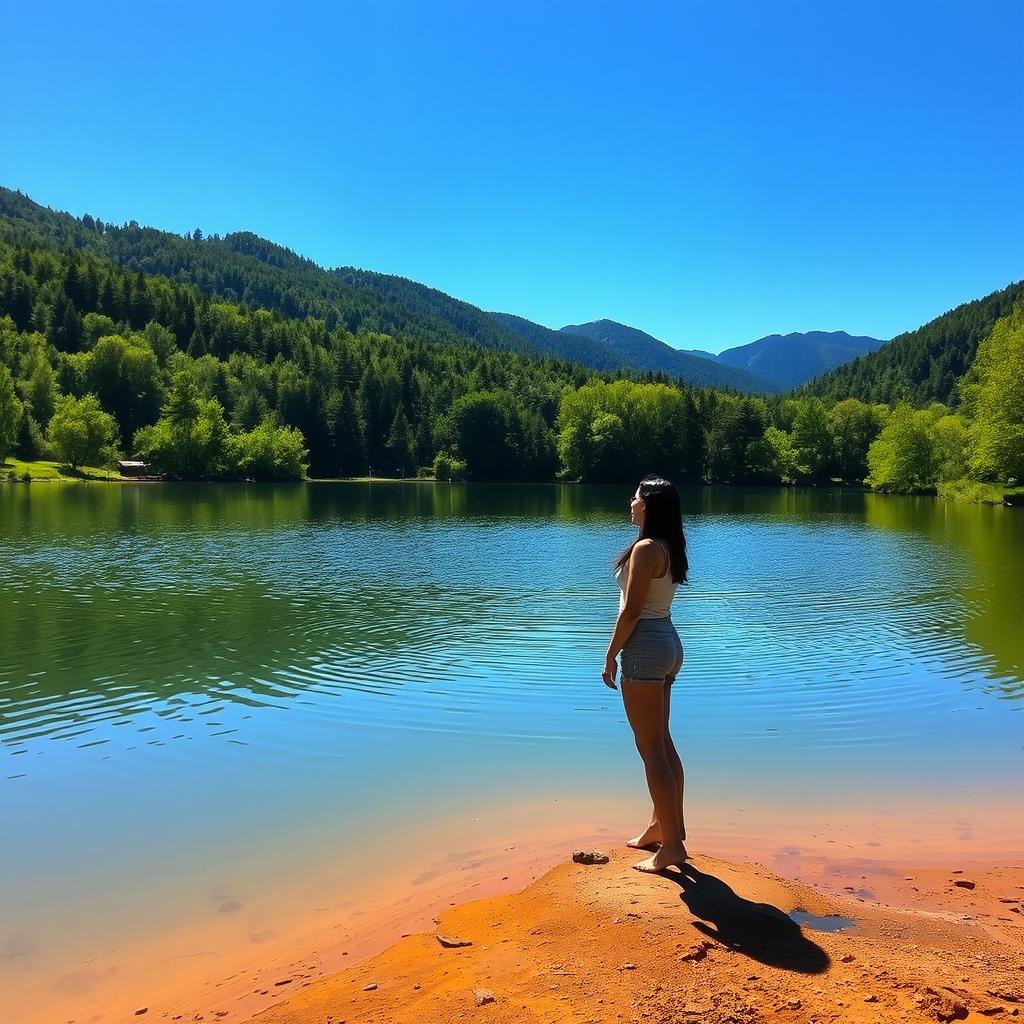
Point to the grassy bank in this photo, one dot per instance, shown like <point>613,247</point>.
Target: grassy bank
<point>42,470</point>
<point>974,490</point>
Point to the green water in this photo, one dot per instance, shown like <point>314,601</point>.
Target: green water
<point>180,665</point>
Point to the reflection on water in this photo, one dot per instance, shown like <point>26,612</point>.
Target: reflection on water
<point>180,665</point>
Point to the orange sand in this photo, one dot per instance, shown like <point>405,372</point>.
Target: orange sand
<point>605,943</point>
<point>337,917</point>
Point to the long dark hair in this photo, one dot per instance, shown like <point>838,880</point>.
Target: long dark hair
<point>663,520</point>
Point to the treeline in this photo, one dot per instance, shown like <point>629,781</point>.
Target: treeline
<point>613,431</point>
<point>73,326</point>
<point>100,358</point>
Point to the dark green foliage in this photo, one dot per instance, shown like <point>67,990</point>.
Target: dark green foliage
<point>497,438</point>
<point>736,451</point>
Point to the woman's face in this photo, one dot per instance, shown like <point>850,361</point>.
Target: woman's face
<point>637,508</point>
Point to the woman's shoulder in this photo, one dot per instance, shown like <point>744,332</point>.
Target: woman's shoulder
<point>647,549</point>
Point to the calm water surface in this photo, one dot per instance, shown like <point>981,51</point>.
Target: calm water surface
<point>182,667</point>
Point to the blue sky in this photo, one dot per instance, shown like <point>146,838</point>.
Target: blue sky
<point>709,172</point>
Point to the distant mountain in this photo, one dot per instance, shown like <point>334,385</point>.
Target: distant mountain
<point>789,360</point>
<point>921,365</point>
<point>637,349</point>
<point>576,348</point>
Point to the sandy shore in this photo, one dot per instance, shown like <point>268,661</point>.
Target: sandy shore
<point>717,944</point>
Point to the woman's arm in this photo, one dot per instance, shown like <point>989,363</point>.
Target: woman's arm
<point>644,562</point>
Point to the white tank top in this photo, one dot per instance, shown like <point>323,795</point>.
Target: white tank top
<point>658,603</point>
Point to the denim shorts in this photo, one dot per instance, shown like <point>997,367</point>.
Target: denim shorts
<point>653,652</point>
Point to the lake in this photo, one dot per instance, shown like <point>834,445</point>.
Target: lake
<point>227,709</point>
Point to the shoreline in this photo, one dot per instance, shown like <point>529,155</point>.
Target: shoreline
<point>993,495</point>
<point>202,973</point>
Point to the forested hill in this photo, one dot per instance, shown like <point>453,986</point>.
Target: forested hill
<point>638,349</point>
<point>923,365</point>
<point>242,267</point>
<point>793,359</point>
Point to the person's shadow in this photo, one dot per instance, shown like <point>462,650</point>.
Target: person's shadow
<point>758,930</point>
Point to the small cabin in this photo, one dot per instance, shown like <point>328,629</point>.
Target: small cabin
<point>132,468</point>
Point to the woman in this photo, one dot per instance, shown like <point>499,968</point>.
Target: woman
<point>648,572</point>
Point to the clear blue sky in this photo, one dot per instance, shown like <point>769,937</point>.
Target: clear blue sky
<point>709,172</point>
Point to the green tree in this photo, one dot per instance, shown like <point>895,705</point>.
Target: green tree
<point>902,457</point>
<point>993,393</point>
<point>812,439</point>
<point>10,412</point>
<point>125,376</point>
<point>190,440</point>
<point>81,433</point>
<point>399,449</point>
<point>269,452</point>
<point>41,391</point>
<point>736,451</point>
<point>349,436</point>
<point>950,438</point>
<point>448,467</point>
<point>781,462</point>
<point>854,425</point>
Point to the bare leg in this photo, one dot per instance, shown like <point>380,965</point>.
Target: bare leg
<point>651,836</point>
<point>645,710</point>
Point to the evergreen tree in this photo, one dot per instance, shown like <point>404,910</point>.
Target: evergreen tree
<point>399,449</point>
<point>349,437</point>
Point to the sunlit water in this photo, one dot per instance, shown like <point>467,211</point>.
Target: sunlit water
<point>200,684</point>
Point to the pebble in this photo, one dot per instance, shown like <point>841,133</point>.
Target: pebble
<point>697,951</point>
<point>628,967</point>
<point>871,999</point>
<point>283,981</point>
<point>482,996</point>
<point>372,987</point>
<point>847,958</point>
<point>141,1010</point>
<point>964,883</point>
<point>451,941</point>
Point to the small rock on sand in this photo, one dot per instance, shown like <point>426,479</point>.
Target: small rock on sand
<point>141,1010</point>
<point>372,987</point>
<point>697,951</point>
<point>483,995</point>
<point>589,857</point>
<point>964,883</point>
<point>451,941</point>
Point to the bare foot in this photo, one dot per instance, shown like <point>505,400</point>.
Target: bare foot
<point>651,836</point>
<point>664,858</point>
